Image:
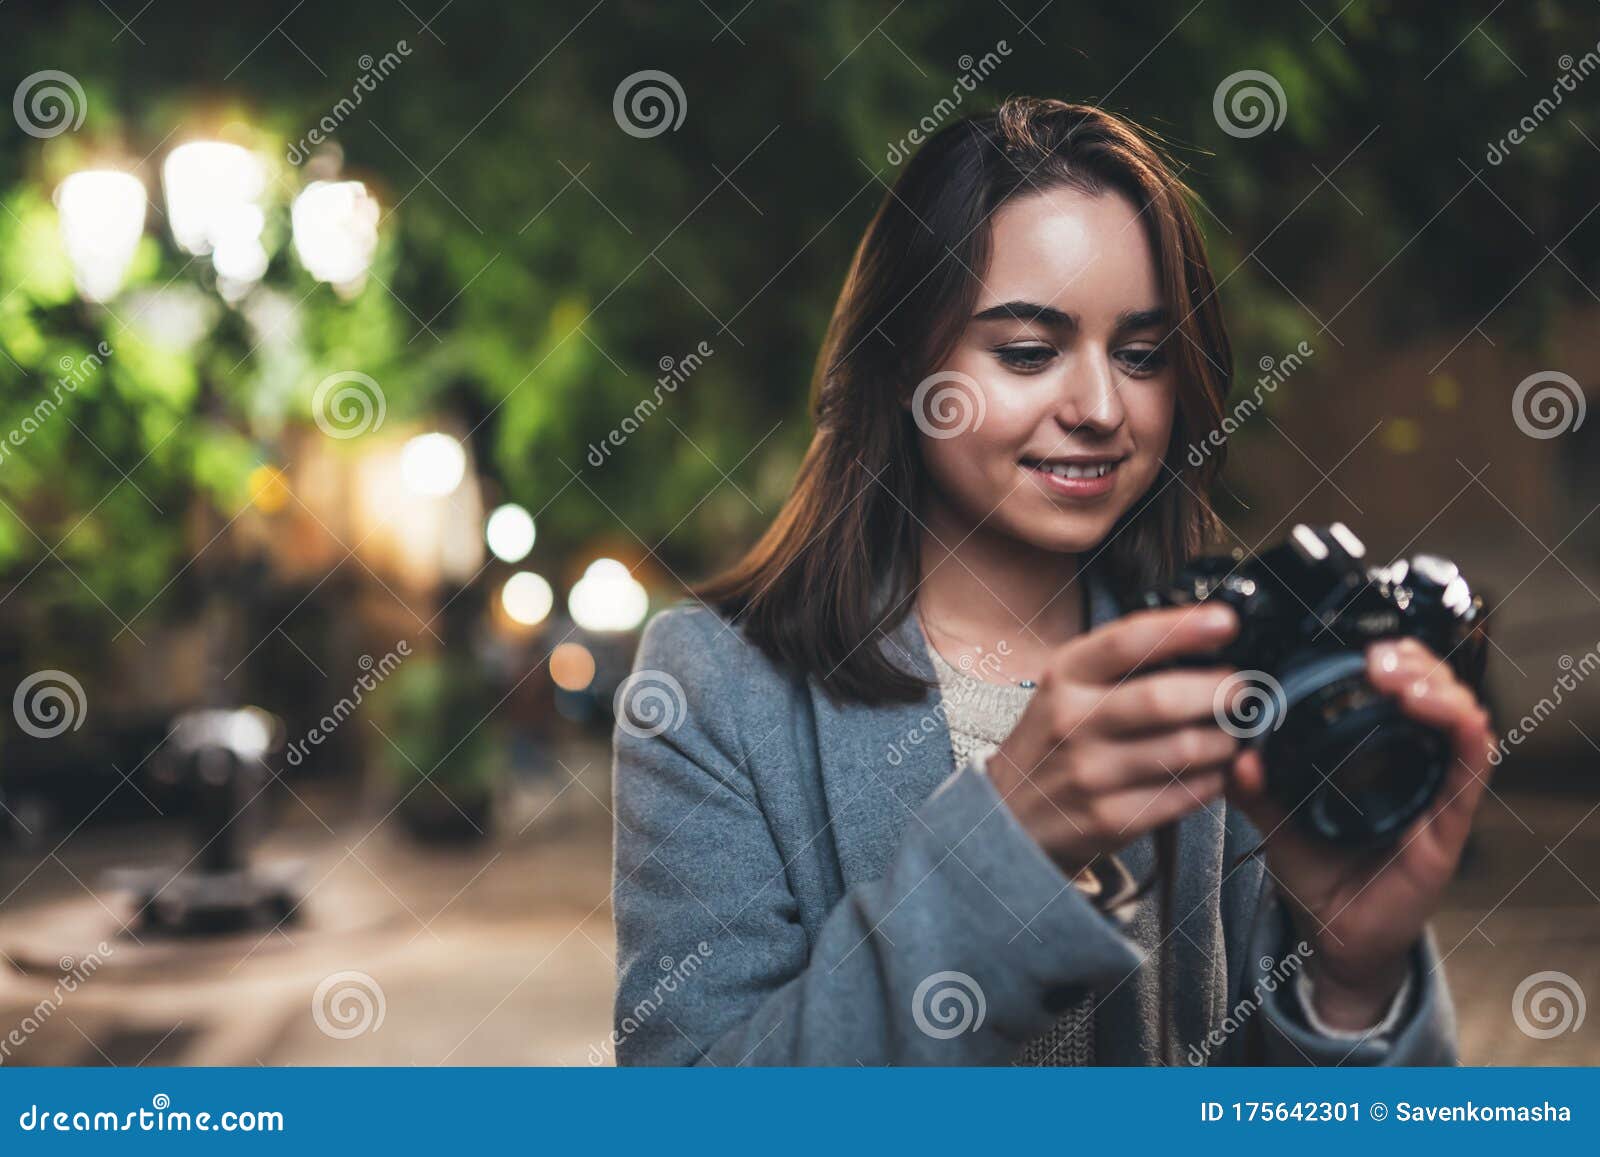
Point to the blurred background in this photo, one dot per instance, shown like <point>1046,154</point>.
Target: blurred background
<point>371,371</point>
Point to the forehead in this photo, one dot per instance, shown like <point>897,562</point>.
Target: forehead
<point>1081,252</point>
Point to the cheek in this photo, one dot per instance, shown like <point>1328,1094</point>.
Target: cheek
<point>1151,416</point>
<point>976,466</point>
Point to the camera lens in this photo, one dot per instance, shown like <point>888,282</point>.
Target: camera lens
<point>1345,762</point>
<point>1374,789</point>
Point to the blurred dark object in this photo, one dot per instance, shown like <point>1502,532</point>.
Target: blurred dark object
<point>217,757</point>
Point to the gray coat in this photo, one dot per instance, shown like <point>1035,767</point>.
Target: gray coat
<point>799,883</point>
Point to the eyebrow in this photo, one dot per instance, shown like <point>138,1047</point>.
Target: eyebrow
<point>1032,311</point>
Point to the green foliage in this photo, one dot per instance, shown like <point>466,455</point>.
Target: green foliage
<point>419,709</point>
<point>538,263</point>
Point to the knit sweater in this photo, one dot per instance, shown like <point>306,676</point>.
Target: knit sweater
<point>979,715</point>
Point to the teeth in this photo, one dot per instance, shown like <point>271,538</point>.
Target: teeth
<point>1063,470</point>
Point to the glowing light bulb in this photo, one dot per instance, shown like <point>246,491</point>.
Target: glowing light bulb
<point>102,219</point>
<point>335,230</point>
<point>210,186</point>
<point>213,189</point>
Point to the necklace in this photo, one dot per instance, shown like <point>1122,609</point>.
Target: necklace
<point>966,663</point>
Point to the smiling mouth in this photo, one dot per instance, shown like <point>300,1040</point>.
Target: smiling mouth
<point>1072,469</point>
<point>1074,479</point>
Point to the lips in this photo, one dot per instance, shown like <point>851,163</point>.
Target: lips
<point>1074,477</point>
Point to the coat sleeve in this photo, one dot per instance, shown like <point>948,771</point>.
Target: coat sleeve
<point>969,945</point>
<point>1424,1035</point>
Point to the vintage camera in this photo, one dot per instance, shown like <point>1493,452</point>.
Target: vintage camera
<point>1341,758</point>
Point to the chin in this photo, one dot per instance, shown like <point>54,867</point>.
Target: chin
<point>1063,532</point>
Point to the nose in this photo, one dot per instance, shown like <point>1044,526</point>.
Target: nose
<point>1089,396</point>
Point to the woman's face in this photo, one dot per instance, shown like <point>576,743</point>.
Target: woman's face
<point>1052,415</point>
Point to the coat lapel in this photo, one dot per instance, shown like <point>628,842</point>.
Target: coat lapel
<point>878,764</point>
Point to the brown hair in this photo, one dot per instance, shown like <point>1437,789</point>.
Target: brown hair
<point>809,592</point>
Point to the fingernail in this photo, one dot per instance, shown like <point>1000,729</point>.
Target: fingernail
<point>1216,617</point>
<point>1419,688</point>
<point>1388,656</point>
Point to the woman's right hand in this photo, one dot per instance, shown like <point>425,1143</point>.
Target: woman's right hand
<point>1103,754</point>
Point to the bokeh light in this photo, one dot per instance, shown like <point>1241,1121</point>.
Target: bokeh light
<point>213,190</point>
<point>607,598</point>
<point>571,667</point>
<point>527,598</point>
<point>335,230</point>
<point>102,217</point>
<point>432,464</point>
<point>510,533</point>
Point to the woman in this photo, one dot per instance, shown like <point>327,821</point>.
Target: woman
<point>911,760</point>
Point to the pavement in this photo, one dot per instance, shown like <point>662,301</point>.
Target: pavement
<point>501,952</point>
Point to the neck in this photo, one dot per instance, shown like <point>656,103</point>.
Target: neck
<point>980,585</point>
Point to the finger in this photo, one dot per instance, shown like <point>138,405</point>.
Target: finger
<point>1160,702</point>
<point>1450,818</point>
<point>1128,815</point>
<point>1247,790</point>
<point>1428,694</point>
<point>1144,638</point>
<point>1249,780</point>
<point>1405,658</point>
<point>1433,695</point>
<point>1111,767</point>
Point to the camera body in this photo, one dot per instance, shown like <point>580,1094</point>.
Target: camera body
<point>1340,757</point>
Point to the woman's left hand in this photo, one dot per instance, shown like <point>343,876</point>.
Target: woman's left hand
<point>1362,911</point>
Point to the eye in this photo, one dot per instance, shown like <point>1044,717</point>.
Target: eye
<point>1141,361</point>
<point>1025,358</point>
